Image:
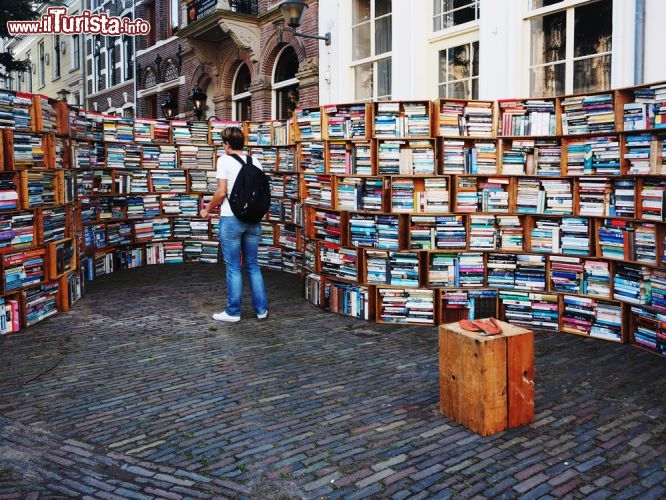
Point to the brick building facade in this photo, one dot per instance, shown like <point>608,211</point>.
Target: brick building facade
<point>109,63</point>
<point>246,61</point>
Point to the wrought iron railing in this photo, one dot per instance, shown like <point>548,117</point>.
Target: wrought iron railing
<point>198,9</point>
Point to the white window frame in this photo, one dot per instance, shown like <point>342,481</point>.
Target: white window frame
<point>450,44</point>
<point>243,95</point>
<point>76,52</point>
<point>462,26</point>
<point>56,56</point>
<point>280,85</point>
<point>373,59</point>
<point>569,6</point>
<point>41,71</point>
<point>109,69</point>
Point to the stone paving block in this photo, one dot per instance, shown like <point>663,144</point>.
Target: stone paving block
<point>306,396</point>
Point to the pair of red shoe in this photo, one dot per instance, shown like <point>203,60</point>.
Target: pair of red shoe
<point>488,326</point>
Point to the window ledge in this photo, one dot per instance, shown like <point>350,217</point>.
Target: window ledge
<point>462,29</point>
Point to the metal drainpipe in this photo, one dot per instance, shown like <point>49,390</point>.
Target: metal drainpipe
<point>639,43</point>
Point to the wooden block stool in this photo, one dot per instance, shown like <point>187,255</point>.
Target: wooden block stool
<point>487,382</point>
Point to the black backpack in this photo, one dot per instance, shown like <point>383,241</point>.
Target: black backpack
<point>251,196</point>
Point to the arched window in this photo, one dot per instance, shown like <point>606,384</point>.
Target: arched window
<point>170,71</point>
<point>285,84</point>
<point>240,94</point>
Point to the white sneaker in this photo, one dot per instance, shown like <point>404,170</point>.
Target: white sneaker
<point>262,316</point>
<point>223,316</point>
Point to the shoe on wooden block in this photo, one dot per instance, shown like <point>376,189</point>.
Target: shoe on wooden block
<point>262,316</point>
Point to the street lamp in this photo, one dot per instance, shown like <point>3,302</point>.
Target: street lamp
<point>198,98</point>
<point>293,12</point>
<point>169,107</point>
<point>63,94</point>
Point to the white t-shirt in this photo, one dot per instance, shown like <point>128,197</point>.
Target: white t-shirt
<point>228,168</point>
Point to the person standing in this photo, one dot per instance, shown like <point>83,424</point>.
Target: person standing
<point>236,235</point>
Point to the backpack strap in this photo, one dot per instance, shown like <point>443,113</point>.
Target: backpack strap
<point>240,160</point>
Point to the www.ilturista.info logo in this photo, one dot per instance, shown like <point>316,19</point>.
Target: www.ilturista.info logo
<point>55,20</point>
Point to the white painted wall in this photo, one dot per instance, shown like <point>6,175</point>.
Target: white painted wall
<point>504,37</point>
<point>655,51</point>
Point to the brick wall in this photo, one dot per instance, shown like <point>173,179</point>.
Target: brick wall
<point>221,72</point>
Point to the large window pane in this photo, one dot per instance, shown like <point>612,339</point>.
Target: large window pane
<point>384,78</point>
<point>363,82</point>
<point>383,35</point>
<point>547,80</point>
<point>360,11</point>
<point>450,13</point>
<point>592,74</point>
<point>475,59</point>
<point>361,41</point>
<point>459,63</point>
<point>593,28</point>
<point>548,38</point>
<point>382,7</point>
<point>537,4</point>
<point>458,90</point>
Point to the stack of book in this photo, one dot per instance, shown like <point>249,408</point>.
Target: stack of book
<point>404,305</point>
<point>452,118</point>
<point>276,182</point>
<point>588,114</point>
<point>653,201</point>
<point>328,226</point>
<point>309,124</point>
<point>216,128</point>
<point>559,197</point>
<point>482,232</point>
<point>7,100</point>
<point>28,151</point>
<point>139,181</point>
<point>454,157</point>
<point>596,318</point>
<point>616,239</point>
<point>41,189</point>
<point>40,302</point>
<point>535,311</point>
<point>404,269</point>
<point>312,289</point>
<point>494,195</point>
<point>638,153</point>
<point>437,232</point>
<point>199,157</point>
<point>346,122</point>
<point>203,181</point>
<point>259,134</point>
<point>649,330</point>
<point>361,159</point>
<point>23,269</point>
<point>623,198</point>
<point>468,304</point>
<point>599,155</point>
<point>416,119</point>
<point>529,117</point>
<point>545,236</point>
<point>566,274</point>
<point>288,236</point>
<point>388,122</point>
<point>594,196</point>
<point>291,186</point>
<point>631,283</point>
<point>531,272</point>
<point>17,231</point>
<point>165,181</point>
<point>318,190</point>
<point>292,261</point>
<point>168,157</point>
<point>518,158</point>
<point>21,111</point>
<point>338,262</point>
<point>467,198</point>
<point>388,158</point>
<point>286,160</point>
<point>501,270</point>
<point>510,233</point>
<point>645,243</point>
<point>339,158</point>
<point>151,156</point>
<point>9,197</point>
<point>575,236</point>
<point>349,300</point>
<point>597,278</point>
<point>312,157</point>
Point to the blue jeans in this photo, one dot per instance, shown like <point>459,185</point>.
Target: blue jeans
<point>236,235</point>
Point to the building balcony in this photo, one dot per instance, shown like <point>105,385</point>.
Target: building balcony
<point>200,9</point>
<point>210,22</point>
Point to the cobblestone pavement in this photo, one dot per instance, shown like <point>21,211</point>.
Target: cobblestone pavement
<point>137,393</point>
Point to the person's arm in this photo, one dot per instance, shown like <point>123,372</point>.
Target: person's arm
<point>218,197</point>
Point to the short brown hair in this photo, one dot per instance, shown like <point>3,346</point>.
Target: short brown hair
<point>234,137</point>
